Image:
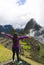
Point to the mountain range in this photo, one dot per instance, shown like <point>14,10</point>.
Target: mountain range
<point>7,29</point>
<point>31,25</point>
<point>32,28</point>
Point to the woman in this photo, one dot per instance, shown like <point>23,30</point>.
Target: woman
<point>16,45</point>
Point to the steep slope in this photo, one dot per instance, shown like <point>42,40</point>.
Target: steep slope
<point>31,25</point>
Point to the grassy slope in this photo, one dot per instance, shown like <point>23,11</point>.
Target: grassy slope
<point>41,53</point>
<point>25,45</point>
<point>5,54</point>
<point>42,50</point>
<point>32,62</point>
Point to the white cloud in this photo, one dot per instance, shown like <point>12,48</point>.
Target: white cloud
<point>11,13</point>
<point>41,6</point>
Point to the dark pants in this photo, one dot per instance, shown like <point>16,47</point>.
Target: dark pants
<point>15,50</point>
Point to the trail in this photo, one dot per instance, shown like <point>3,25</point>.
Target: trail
<point>15,63</point>
<point>25,60</point>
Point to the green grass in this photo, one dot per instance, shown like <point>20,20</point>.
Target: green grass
<point>27,47</point>
<point>5,54</point>
<point>41,50</point>
<point>22,43</point>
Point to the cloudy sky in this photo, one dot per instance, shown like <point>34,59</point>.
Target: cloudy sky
<point>18,12</point>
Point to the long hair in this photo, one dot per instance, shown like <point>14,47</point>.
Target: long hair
<point>15,38</point>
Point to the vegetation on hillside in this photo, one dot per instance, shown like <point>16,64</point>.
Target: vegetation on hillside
<point>5,54</point>
<point>32,49</point>
<point>35,49</point>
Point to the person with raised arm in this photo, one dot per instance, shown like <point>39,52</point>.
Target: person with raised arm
<point>15,45</point>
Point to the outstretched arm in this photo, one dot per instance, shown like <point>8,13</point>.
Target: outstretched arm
<point>8,35</point>
<point>22,37</point>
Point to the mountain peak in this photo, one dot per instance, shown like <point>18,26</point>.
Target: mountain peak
<point>32,24</point>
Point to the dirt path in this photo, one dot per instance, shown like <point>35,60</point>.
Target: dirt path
<point>32,62</point>
<point>25,62</point>
<point>16,63</point>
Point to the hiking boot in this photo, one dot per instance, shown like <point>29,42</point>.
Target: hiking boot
<point>20,62</point>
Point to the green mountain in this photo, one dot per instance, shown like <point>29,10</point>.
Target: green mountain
<point>31,25</point>
<point>7,29</point>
